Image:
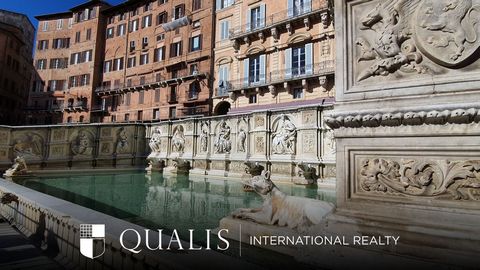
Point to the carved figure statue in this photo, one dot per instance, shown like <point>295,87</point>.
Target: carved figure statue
<point>19,167</point>
<point>178,140</point>
<point>204,138</point>
<point>242,136</point>
<point>155,142</point>
<point>81,145</point>
<point>283,210</point>
<point>29,145</point>
<point>122,141</point>
<point>222,142</point>
<point>284,137</point>
<point>308,172</point>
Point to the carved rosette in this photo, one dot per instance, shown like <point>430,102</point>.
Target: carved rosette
<point>442,179</point>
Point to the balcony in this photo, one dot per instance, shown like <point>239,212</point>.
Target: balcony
<point>195,111</point>
<point>76,106</point>
<point>150,81</point>
<point>279,77</point>
<point>99,108</point>
<point>282,18</point>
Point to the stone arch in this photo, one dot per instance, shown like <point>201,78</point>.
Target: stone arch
<point>222,108</point>
<point>255,50</point>
<point>224,60</point>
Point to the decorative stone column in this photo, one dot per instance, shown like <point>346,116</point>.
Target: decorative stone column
<point>407,126</point>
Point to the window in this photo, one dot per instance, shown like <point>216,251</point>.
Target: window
<point>140,115</point>
<point>160,37</point>
<point>111,19</point>
<point>144,42</point>
<point>157,95</point>
<point>162,18</point>
<point>42,45</point>
<point>110,32</point>
<point>134,12</point>
<point>133,26</point>
<point>159,54</point>
<point>173,94</point>
<point>70,23</point>
<point>143,59</point>
<point>118,64</point>
<point>196,43</point>
<point>158,77</point>
<point>132,45</point>
<point>107,66</point>
<point>156,114</point>
<point>127,117</point>
<point>59,24</point>
<point>81,57</point>
<point>89,34</point>
<point>121,30</point>
<point>254,69</point>
<point>298,7</point>
<point>129,82</point>
<point>122,16</point>
<point>41,63</point>
<point>298,93</point>
<point>147,21</point>
<point>196,24</point>
<point>172,112</point>
<point>196,4</point>
<point>131,62</point>
<point>69,119</point>
<point>61,43</point>
<point>77,37</point>
<point>141,97</point>
<point>81,80</point>
<point>224,3</point>
<point>80,120</point>
<point>58,63</point>
<point>178,12</point>
<point>142,80</point>
<point>161,2</point>
<point>252,98</point>
<point>223,80</point>
<point>224,30</point>
<point>193,69</point>
<point>45,26</point>
<point>194,90</point>
<point>298,61</point>
<point>113,119</point>
<point>176,49</point>
<point>147,7</point>
<point>257,17</point>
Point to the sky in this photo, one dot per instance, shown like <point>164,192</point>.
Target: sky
<point>32,8</point>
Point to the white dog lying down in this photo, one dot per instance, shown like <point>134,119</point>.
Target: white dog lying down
<point>281,209</point>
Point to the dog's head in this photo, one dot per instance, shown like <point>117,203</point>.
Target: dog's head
<point>262,183</point>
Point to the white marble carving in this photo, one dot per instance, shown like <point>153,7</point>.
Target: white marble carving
<point>155,142</point>
<point>178,140</point>
<point>223,144</point>
<point>19,167</point>
<point>81,144</point>
<point>204,137</point>
<point>284,136</point>
<point>29,145</point>
<point>122,145</point>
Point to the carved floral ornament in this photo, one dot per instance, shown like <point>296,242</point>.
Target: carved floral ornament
<point>399,36</point>
<point>443,179</point>
<point>433,117</point>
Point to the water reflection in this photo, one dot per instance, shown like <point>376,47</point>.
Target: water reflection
<point>160,203</point>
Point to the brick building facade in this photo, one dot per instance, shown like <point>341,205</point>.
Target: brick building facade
<point>16,70</point>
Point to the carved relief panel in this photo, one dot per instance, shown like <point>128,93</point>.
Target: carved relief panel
<point>411,41</point>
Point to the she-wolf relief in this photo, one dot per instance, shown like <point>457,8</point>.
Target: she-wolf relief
<point>396,36</point>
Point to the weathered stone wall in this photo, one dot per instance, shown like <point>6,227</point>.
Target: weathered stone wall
<point>219,146</point>
<point>74,146</point>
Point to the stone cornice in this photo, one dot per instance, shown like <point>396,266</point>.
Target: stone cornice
<point>407,118</point>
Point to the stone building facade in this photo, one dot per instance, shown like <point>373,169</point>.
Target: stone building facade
<point>16,70</point>
<point>273,54</point>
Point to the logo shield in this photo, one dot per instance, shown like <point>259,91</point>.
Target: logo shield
<point>92,240</point>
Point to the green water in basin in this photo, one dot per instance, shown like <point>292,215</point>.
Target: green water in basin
<point>158,202</point>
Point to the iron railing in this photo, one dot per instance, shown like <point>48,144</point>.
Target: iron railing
<point>279,76</point>
<point>308,7</point>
